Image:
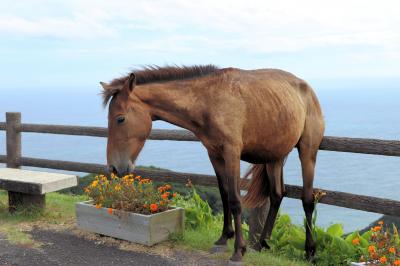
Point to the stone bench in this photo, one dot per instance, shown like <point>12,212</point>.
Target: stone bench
<point>29,188</point>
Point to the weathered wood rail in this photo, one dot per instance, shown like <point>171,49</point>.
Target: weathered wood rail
<point>14,127</point>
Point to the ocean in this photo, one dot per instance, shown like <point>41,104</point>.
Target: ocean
<point>352,108</point>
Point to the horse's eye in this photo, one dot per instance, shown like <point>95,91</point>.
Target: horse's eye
<point>120,120</point>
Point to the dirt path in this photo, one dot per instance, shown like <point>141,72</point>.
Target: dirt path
<point>72,247</point>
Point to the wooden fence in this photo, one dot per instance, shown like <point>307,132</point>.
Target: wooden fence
<point>14,128</point>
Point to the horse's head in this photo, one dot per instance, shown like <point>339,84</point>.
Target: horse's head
<point>129,125</point>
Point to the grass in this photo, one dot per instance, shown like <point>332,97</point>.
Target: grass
<point>203,239</point>
<point>60,209</point>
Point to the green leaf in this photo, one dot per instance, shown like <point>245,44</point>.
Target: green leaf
<point>367,235</point>
<point>351,237</point>
<point>335,230</point>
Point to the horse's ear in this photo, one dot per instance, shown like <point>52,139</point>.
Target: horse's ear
<point>131,82</point>
<point>105,85</point>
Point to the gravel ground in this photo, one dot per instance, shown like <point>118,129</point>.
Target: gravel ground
<point>65,248</point>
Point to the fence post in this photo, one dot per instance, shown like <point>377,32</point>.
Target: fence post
<point>13,138</point>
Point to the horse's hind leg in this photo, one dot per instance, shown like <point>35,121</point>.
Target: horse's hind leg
<point>276,186</point>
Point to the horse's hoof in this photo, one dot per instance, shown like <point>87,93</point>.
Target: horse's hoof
<point>236,258</point>
<point>310,255</point>
<point>218,249</point>
<point>235,263</point>
<point>259,246</point>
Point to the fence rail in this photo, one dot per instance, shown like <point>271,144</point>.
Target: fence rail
<point>340,144</point>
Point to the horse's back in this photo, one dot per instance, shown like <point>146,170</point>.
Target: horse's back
<point>275,106</point>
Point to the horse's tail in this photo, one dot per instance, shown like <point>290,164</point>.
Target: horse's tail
<point>258,189</point>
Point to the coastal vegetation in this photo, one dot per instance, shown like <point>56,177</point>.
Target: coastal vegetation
<point>380,244</point>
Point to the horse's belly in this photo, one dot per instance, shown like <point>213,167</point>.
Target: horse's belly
<point>257,158</point>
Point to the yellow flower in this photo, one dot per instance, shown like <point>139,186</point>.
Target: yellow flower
<point>117,187</point>
<point>356,241</point>
<point>113,176</point>
<point>94,183</point>
<point>380,222</point>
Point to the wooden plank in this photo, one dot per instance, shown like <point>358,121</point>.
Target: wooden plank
<point>143,229</point>
<point>13,139</point>
<point>65,130</point>
<point>361,145</point>
<point>341,199</point>
<point>156,134</point>
<point>329,143</point>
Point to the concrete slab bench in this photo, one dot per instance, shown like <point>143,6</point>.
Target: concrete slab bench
<point>29,188</point>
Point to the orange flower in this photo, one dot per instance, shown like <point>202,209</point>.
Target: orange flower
<point>87,190</point>
<point>98,206</point>
<point>383,259</point>
<point>356,241</point>
<point>153,207</point>
<point>145,206</point>
<point>397,262</point>
<point>110,210</point>
<point>164,196</point>
<point>161,203</point>
<point>376,228</point>
<point>371,249</point>
<point>94,183</point>
<point>380,222</point>
<point>138,177</point>
<point>174,195</point>
<point>392,250</point>
<point>167,186</point>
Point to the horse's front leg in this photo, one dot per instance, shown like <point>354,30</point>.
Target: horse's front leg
<point>232,172</point>
<point>227,231</point>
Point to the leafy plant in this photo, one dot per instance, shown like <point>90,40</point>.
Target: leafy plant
<point>198,212</point>
<point>129,193</point>
<point>383,246</point>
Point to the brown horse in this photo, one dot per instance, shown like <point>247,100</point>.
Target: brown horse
<point>257,116</point>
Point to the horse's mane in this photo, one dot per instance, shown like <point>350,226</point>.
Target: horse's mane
<point>154,73</point>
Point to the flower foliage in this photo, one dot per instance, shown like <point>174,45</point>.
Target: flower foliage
<point>129,193</point>
<point>384,246</point>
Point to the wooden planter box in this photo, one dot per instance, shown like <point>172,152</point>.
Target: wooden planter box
<point>143,229</point>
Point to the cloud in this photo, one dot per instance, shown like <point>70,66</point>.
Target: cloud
<point>259,26</point>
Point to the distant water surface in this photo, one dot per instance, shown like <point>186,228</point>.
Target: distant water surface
<point>350,110</point>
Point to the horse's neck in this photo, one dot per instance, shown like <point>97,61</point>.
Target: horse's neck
<point>171,104</point>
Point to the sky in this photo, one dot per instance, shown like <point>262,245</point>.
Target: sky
<point>75,44</point>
